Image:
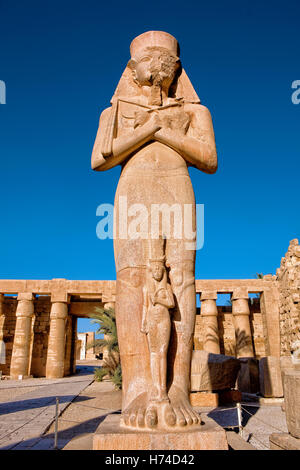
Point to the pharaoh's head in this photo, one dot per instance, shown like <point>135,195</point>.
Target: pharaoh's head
<point>154,61</point>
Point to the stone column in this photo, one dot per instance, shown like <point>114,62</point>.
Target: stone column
<point>2,320</point>
<point>209,311</point>
<point>57,336</point>
<point>20,361</point>
<point>241,312</point>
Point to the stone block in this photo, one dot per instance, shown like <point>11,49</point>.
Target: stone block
<point>291,385</point>
<point>204,399</point>
<point>283,441</point>
<point>213,371</point>
<point>248,378</point>
<point>229,396</point>
<point>270,381</point>
<point>110,436</point>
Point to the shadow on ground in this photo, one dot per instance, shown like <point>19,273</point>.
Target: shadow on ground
<point>227,417</point>
<point>46,442</point>
<point>22,405</point>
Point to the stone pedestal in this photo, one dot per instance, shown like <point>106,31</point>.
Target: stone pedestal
<point>291,385</point>
<point>110,436</point>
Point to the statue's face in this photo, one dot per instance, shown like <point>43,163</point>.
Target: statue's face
<point>155,66</point>
<point>157,270</point>
<point>142,70</point>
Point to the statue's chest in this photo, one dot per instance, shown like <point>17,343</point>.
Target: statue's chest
<point>174,118</point>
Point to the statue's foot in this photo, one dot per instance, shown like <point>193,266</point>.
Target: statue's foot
<point>160,414</point>
<point>183,411</point>
<point>172,411</point>
<point>158,395</point>
<point>134,414</point>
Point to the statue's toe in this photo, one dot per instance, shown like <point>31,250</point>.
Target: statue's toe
<point>151,417</point>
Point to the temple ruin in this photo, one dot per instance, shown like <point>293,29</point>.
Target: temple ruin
<point>38,318</point>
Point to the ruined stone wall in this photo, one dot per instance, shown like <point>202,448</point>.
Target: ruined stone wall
<point>227,331</point>
<point>288,276</point>
<point>41,327</point>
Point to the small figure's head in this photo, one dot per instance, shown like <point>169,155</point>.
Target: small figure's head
<point>154,59</point>
<point>157,268</point>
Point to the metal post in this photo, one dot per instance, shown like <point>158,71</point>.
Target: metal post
<point>239,414</point>
<point>56,424</point>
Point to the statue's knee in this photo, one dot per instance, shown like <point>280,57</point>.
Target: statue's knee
<point>176,276</point>
<point>182,273</point>
<point>132,277</point>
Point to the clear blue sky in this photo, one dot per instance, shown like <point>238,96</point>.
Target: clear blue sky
<point>61,61</point>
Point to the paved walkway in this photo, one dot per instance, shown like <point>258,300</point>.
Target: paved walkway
<point>258,421</point>
<point>27,408</point>
<point>27,412</point>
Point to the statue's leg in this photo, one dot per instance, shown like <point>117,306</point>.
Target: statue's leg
<point>182,277</point>
<point>136,374</point>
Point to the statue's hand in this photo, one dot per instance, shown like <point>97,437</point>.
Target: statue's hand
<point>162,134</point>
<point>141,117</point>
<point>154,123</point>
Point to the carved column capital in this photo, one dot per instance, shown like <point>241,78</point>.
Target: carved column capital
<point>59,308</point>
<point>240,293</point>
<point>208,303</point>
<point>25,306</point>
<point>208,295</point>
<point>60,296</point>
<point>25,296</point>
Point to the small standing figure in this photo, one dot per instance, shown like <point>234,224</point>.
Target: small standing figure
<point>156,323</point>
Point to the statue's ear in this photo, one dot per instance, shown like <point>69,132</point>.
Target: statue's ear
<point>132,64</point>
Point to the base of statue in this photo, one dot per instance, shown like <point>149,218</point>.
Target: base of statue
<point>111,436</point>
<point>283,441</point>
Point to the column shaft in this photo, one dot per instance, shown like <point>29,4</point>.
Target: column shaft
<point>241,313</point>
<point>209,310</point>
<point>57,339</point>
<point>2,321</point>
<point>20,361</point>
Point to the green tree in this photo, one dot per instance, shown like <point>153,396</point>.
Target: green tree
<point>106,319</point>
